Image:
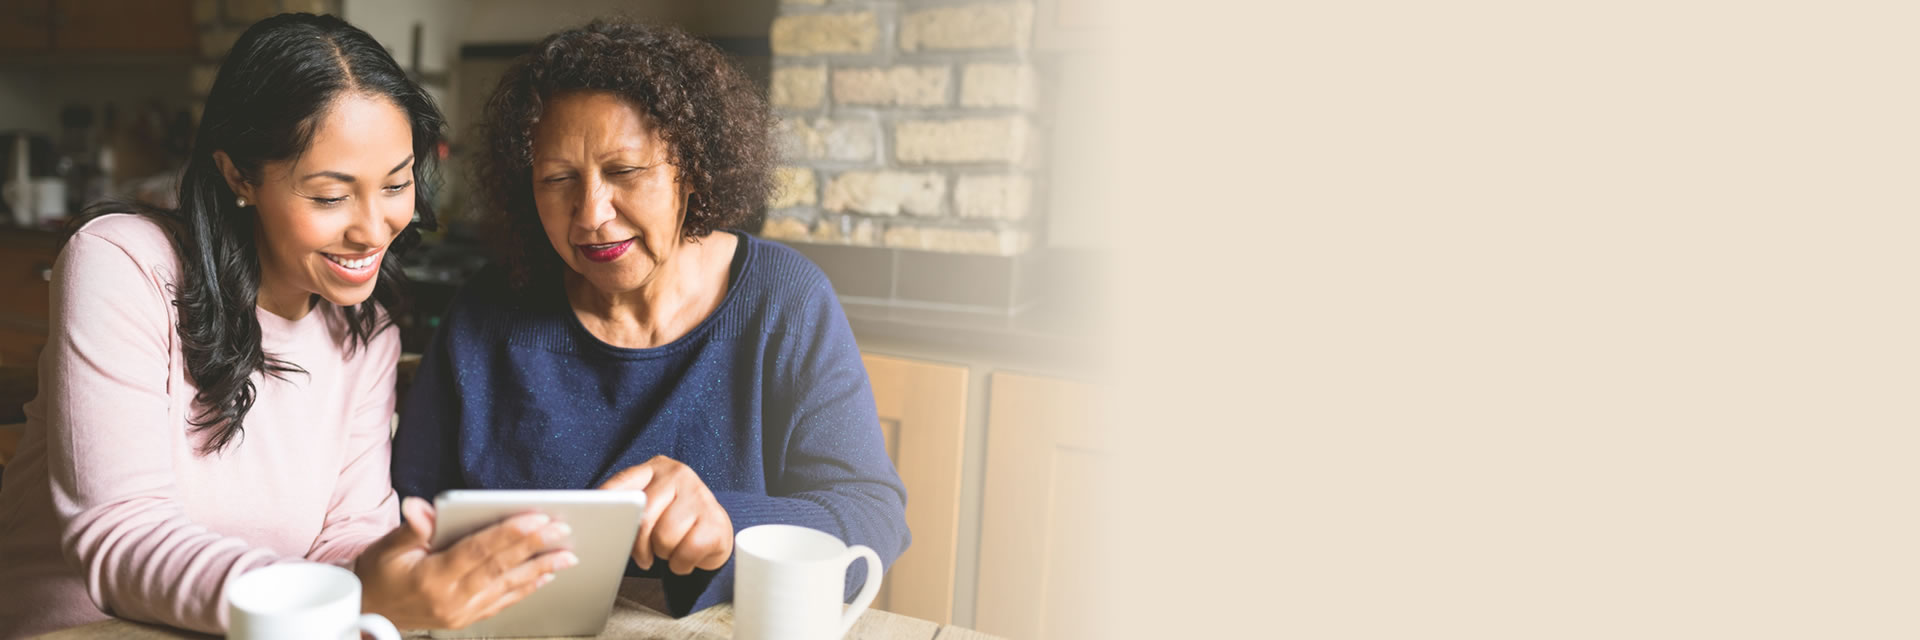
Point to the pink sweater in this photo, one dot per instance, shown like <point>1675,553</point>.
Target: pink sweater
<point>110,509</point>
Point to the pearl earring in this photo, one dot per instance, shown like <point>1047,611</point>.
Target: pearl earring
<point>242,201</point>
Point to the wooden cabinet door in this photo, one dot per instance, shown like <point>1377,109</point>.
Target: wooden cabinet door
<point>923,411</point>
<point>142,26</point>
<point>25,271</point>
<point>1040,561</point>
<point>26,25</point>
<point>26,262</point>
<point>20,347</point>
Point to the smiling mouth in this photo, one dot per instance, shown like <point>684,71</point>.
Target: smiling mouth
<point>605,252</point>
<point>355,264</point>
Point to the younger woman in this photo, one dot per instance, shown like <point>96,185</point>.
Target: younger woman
<point>217,392</point>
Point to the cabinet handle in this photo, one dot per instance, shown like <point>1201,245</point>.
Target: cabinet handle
<point>46,272</point>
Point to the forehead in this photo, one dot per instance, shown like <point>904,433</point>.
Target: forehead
<point>591,121</point>
<point>359,133</point>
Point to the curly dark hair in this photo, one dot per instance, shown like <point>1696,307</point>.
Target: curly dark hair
<point>716,125</point>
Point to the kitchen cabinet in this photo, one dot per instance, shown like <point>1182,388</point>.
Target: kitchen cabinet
<point>26,25</point>
<point>26,264</point>
<point>1041,564</point>
<point>97,26</point>
<point>922,407</point>
<point>20,347</point>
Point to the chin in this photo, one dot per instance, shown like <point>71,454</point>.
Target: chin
<point>615,280</point>
<point>348,297</point>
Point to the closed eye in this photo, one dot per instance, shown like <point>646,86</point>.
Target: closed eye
<point>328,202</point>
<point>397,188</point>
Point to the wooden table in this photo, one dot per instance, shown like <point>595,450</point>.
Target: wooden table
<point>636,614</point>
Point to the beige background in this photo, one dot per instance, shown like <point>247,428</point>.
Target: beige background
<point>1495,320</point>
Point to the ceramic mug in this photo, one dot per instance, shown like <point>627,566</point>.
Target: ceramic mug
<point>789,582</point>
<point>300,601</point>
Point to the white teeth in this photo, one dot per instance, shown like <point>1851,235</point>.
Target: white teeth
<point>356,264</point>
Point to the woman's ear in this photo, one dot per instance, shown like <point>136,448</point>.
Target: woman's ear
<point>686,196</point>
<point>235,181</point>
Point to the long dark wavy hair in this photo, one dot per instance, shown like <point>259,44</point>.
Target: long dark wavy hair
<point>716,125</point>
<point>276,83</point>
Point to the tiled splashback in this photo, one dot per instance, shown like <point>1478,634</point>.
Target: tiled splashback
<point>936,281</point>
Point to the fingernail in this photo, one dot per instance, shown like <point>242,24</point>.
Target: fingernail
<point>535,523</point>
<point>567,559</point>
<point>545,579</point>
<point>558,532</point>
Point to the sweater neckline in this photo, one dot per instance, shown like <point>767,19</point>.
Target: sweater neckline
<point>279,331</point>
<point>743,254</point>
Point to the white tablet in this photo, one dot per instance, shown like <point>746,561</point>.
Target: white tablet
<point>580,598</point>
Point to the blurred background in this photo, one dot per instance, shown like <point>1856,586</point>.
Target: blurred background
<point>942,162</point>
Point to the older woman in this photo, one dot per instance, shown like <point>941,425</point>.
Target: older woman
<point>629,340</point>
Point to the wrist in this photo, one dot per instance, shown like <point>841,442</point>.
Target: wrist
<point>368,604</point>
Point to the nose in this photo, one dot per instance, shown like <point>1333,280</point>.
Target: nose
<point>369,226</point>
<point>596,204</point>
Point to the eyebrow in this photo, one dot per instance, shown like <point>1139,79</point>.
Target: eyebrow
<point>631,148</point>
<point>347,178</point>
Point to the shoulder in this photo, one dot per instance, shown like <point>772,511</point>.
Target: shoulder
<point>793,295</point>
<point>788,278</point>
<point>139,236</point>
<point>108,243</point>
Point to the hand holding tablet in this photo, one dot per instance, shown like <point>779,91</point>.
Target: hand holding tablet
<point>602,526</point>
<point>659,510</point>
<point>407,581</point>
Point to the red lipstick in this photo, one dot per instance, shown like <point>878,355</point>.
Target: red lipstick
<point>605,252</point>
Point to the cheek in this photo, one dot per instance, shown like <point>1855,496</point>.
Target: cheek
<point>657,216</point>
<point>655,212</point>
<point>293,232</point>
<point>555,223</point>
<point>399,213</point>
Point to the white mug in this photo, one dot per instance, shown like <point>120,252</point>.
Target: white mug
<point>300,601</point>
<point>789,581</point>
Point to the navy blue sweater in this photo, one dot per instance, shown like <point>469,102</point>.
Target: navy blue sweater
<point>766,399</point>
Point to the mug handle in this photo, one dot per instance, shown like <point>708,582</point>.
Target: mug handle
<point>867,592</point>
<point>377,626</point>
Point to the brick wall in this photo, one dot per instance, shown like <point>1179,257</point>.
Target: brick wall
<point>906,124</point>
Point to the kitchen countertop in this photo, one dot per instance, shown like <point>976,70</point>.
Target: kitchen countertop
<point>1057,337</point>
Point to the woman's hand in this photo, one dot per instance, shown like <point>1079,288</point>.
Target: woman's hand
<point>683,523</point>
<point>417,588</point>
